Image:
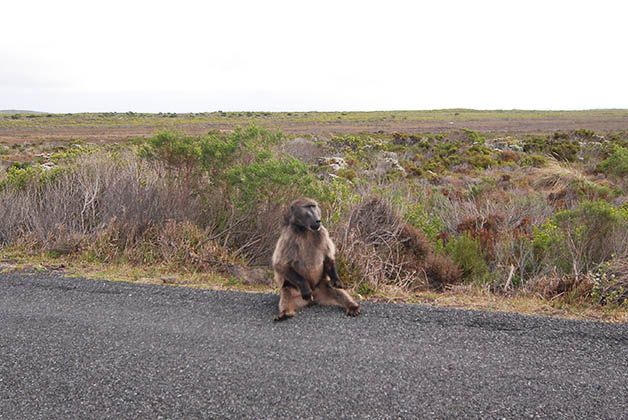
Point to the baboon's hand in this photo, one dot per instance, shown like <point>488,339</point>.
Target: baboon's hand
<point>353,310</point>
<point>306,294</point>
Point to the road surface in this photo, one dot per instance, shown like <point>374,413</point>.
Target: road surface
<point>77,348</point>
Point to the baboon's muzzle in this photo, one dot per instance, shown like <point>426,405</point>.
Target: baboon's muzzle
<point>315,225</point>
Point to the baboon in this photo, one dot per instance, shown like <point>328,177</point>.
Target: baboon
<point>305,269</point>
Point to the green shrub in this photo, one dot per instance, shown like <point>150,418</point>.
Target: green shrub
<point>270,180</point>
<point>445,155</point>
<point>347,173</point>
<point>412,169</point>
<point>549,246</point>
<point>474,137</point>
<point>576,241</point>
<point>560,146</point>
<point>533,159</point>
<point>482,161</point>
<point>467,253</point>
<point>172,148</point>
<point>22,177</point>
<point>617,163</point>
<point>478,190</point>
<point>419,216</point>
<point>65,155</point>
<point>584,133</point>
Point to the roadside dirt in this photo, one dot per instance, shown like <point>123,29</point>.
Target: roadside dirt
<point>106,134</point>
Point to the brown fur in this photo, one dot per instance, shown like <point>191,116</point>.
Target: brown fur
<point>304,263</point>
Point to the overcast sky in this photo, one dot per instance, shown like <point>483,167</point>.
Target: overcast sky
<point>188,56</point>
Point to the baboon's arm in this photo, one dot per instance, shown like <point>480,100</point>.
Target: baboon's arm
<point>329,268</point>
<point>296,280</point>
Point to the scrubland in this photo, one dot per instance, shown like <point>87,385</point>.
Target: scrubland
<point>531,223</point>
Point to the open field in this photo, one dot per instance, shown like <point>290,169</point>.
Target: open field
<point>500,210</point>
<point>106,127</point>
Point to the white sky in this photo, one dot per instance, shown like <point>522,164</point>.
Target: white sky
<point>231,55</point>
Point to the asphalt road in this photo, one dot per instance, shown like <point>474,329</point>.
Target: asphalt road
<point>76,348</point>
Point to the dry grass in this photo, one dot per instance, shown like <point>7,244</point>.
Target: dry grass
<point>97,192</point>
<point>566,184</point>
<point>555,175</point>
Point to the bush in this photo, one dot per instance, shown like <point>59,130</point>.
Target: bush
<point>21,177</point>
<point>474,137</point>
<point>569,288</point>
<point>485,230</point>
<point>173,149</point>
<point>178,245</point>
<point>533,159</point>
<point>378,245</point>
<point>88,197</point>
<point>610,283</point>
<point>441,271</point>
<point>577,241</point>
<point>220,197</point>
<point>617,163</point>
<point>467,253</point>
<point>418,215</point>
<point>270,181</point>
<point>482,161</point>
<point>559,146</point>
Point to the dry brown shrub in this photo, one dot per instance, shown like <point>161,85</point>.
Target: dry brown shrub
<point>523,228</point>
<point>67,242</point>
<point>97,193</point>
<point>184,243</point>
<point>485,230</point>
<point>607,287</point>
<point>441,271</point>
<point>377,244</point>
<point>178,244</point>
<point>303,149</point>
<point>415,241</point>
<point>565,287</point>
<point>252,236</point>
<point>508,156</point>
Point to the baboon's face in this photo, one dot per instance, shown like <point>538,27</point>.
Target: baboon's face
<point>306,214</point>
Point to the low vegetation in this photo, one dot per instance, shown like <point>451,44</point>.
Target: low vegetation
<point>170,119</point>
<point>412,215</point>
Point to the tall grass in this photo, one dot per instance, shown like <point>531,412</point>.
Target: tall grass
<point>94,193</point>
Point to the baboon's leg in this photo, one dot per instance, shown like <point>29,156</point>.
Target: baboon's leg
<point>329,269</point>
<point>326,294</point>
<point>289,301</point>
<point>296,280</point>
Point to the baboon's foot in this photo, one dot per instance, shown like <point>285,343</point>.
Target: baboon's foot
<point>353,310</point>
<point>282,316</point>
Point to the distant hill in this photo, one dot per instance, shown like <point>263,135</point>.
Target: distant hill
<point>19,111</point>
